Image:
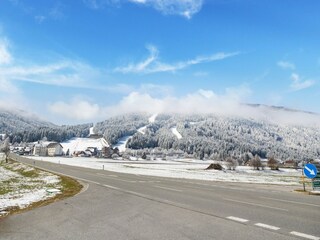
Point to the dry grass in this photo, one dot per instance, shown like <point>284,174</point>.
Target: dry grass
<point>69,188</point>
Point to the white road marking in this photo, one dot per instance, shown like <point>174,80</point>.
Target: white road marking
<point>305,235</point>
<point>112,187</point>
<point>267,226</point>
<point>288,201</point>
<point>255,204</point>
<point>171,189</point>
<point>238,219</point>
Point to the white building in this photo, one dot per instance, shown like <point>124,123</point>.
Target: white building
<point>48,149</point>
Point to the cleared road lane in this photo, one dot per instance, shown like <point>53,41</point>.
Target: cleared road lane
<point>123,206</point>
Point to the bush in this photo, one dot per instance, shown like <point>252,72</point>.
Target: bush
<point>232,163</point>
<point>273,164</point>
<point>215,166</point>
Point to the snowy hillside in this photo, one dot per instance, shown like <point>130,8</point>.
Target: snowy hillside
<point>216,137</point>
<point>17,120</point>
<point>122,142</point>
<point>25,127</point>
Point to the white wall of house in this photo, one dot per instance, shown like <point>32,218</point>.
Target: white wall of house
<point>55,151</point>
<point>40,150</point>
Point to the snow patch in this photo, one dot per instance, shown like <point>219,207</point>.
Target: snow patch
<point>24,191</point>
<point>6,175</point>
<point>142,130</point>
<point>91,131</point>
<point>176,133</point>
<point>152,119</point>
<point>121,145</point>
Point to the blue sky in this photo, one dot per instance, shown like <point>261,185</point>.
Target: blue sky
<point>81,61</point>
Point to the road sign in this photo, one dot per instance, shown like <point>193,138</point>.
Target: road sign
<point>310,170</point>
<point>316,182</point>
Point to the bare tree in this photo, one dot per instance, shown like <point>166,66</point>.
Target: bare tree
<point>256,162</point>
<point>231,163</point>
<point>5,148</point>
<point>273,163</point>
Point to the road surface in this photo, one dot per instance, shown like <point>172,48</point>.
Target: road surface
<point>123,206</point>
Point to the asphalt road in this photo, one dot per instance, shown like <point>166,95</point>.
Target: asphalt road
<point>123,206</point>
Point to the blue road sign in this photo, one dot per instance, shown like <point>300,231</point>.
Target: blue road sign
<point>310,170</point>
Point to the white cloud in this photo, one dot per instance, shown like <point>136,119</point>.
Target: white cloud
<point>185,8</point>
<point>231,103</point>
<point>298,84</point>
<point>152,65</point>
<point>62,73</point>
<point>5,56</point>
<point>201,101</point>
<point>7,87</point>
<point>76,109</point>
<point>286,65</point>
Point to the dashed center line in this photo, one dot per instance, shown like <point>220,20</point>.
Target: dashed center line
<point>267,226</point>
<point>307,236</point>
<point>242,220</point>
<point>171,189</point>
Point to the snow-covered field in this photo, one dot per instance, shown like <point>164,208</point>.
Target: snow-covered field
<point>183,168</point>
<point>81,144</point>
<point>21,185</point>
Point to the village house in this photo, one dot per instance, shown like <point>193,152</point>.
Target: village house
<point>48,149</point>
<point>54,149</point>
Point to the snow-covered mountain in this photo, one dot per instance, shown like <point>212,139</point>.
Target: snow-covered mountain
<point>254,129</point>
<point>266,131</point>
<point>12,121</point>
<point>22,126</point>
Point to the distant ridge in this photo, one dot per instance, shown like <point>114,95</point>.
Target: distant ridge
<point>280,108</point>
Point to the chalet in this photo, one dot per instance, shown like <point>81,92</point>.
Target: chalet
<point>54,149</point>
<point>48,149</point>
<point>290,163</point>
<point>40,149</point>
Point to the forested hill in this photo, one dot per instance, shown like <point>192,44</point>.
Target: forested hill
<point>276,132</point>
<point>212,136</point>
<point>15,121</point>
<point>24,127</point>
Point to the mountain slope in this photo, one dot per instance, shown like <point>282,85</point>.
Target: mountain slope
<point>24,127</point>
<point>16,121</point>
<point>277,132</point>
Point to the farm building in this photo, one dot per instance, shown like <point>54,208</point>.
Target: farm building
<point>48,149</point>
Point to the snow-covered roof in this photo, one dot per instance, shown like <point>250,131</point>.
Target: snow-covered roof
<point>44,144</point>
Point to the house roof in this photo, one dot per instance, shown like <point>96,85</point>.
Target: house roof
<point>53,144</point>
<point>47,144</point>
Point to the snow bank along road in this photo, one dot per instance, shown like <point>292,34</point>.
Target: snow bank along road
<point>124,206</point>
